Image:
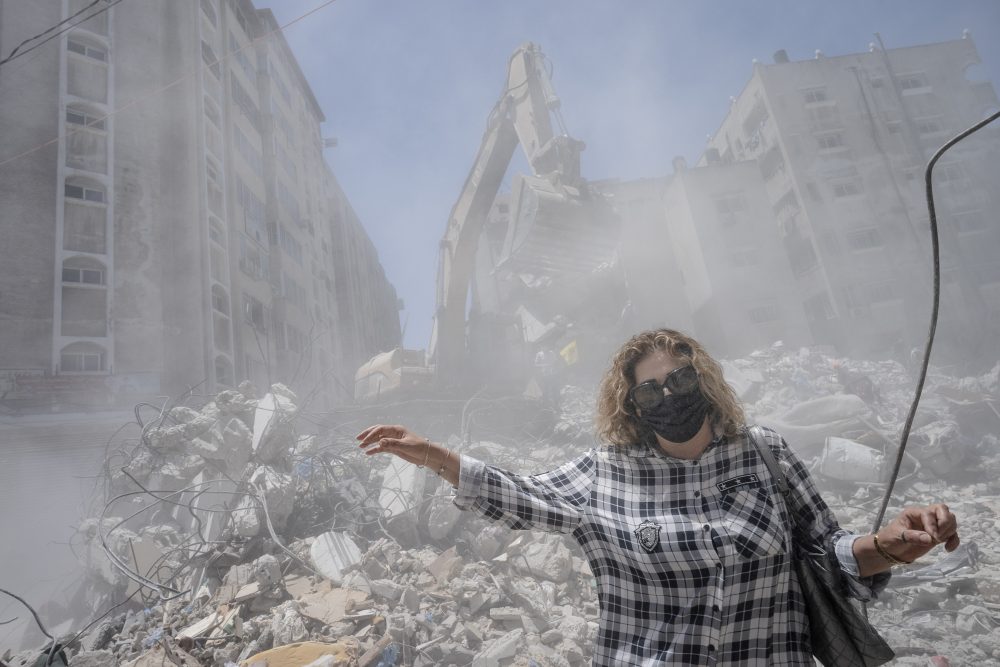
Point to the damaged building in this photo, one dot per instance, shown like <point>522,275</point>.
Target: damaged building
<point>803,221</point>
<point>163,230</point>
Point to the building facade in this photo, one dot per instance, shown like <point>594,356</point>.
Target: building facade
<point>170,216</point>
<point>841,144</point>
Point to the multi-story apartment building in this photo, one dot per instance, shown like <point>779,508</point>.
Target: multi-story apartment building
<point>841,143</point>
<point>168,216</point>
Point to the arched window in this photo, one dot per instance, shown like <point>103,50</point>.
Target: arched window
<point>82,358</point>
<point>84,270</point>
<point>86,67</point>
<point>84,190</point>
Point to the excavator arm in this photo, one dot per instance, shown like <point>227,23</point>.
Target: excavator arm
<point>522,115</point>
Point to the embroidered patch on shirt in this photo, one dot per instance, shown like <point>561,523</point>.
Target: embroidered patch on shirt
<point>648,534</point>
<point>749,480</point>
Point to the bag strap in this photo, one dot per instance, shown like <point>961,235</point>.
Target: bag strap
<point>772,465</point>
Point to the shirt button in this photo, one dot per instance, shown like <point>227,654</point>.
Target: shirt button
<point>718,566</point>
<point>697,493</point>
<point>716,608</point>
<point>711,648</point>
<point>706,527</point>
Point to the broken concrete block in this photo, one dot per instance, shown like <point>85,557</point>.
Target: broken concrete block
<point>278,490</point>
<point>344,652</point>
<point>93,659</point>
<point>850,461</point>
<point>386,589</point>
<point>333,552</point>
<point>502,648</point>
<point>267,573</point>
<point>246,521</point>
<point>331,606</point>
<point>547,557</point>
<point>287,624</point>
<point>445,566</point>
<point>202,627</point>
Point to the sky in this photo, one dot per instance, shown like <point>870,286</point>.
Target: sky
<point>407,86</point>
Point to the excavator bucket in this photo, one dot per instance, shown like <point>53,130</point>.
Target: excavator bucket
<point>557,229</point>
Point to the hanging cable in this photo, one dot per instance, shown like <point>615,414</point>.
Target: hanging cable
<point>14,55</point>
<point>935,249</point>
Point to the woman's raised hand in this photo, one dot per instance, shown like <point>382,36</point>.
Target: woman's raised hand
<point>397,440</point>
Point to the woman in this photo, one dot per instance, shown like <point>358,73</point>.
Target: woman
<point>679,518</point>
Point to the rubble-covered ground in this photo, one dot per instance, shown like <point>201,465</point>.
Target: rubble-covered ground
<point>244,531</point>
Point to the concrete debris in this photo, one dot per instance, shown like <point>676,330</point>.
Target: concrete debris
<point>332,553</point>
<point>367,561</point>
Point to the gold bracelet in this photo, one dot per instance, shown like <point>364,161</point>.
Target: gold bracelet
<point>445,463</point>
<point>886,555</point>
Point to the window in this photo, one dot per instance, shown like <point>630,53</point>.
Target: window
<point>846,189</point>
<point>813,95</point>
<point>289,244</point>
<point>253,262</point>
<point>253,212</point>
<point>292,290</point>
<point>822,117</point>
<point>830,140</point>
<point>818,308</point>
<point>84,276</point>
<point>248,151</point>
<point>86,143</point>
<point>288,201</point>
<point>912,81</point>
<point>85,193</point>
<point>240,56</point>
<point>864,239</point>
<point>81,358</point>
<point>220,302</point>
<point>763,314</point>
<point>209,11</point>
<point>83,118</point>
<point>729,206</point>
<point>94,52</point>
<point>212,113</point>
<point>223,371</point>
<point>215,232</point>
<point>254,312</point>
<point>211,61</point>
<point>244,102</point>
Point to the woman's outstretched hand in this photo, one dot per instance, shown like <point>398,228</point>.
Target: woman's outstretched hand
<point>397,440</point>
<point>412,448</point>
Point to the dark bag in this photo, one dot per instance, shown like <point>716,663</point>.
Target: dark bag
<point>839,634</point>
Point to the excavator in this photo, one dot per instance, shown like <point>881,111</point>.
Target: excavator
<point>557,225</point>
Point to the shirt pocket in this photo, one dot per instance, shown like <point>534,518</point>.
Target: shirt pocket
<point>754,524</point>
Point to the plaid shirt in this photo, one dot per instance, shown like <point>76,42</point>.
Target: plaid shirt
<point>691,557</point>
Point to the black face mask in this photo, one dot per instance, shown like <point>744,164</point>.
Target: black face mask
<point>679,417</point>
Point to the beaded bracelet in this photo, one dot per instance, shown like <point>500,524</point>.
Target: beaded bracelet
<point>888,556</point>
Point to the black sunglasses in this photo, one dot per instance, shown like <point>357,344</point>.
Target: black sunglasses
<point>649,394</point>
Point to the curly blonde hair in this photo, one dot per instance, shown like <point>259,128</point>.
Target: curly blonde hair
<point>617,421</point>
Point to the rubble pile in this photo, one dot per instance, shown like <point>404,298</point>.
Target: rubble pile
<point>234,540</point>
